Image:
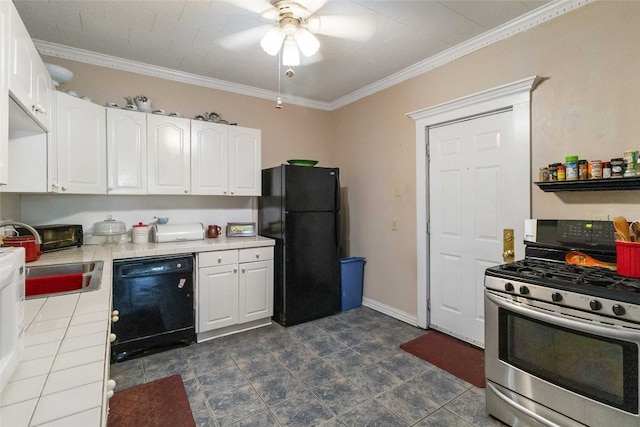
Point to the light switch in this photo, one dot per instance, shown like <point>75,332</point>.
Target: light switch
<point>394,224</point>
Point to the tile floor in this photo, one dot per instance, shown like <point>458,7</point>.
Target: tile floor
<point>343,370</point>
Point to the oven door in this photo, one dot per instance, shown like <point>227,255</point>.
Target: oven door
<point>545,363</point>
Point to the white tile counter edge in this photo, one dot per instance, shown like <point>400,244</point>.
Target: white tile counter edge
<point>62,373</point>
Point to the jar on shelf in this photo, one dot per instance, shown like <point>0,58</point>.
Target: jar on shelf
<point>595,169</point>
<point>561,170</point>
<point>543,174</point>
<point>617,167</point>
<point>606,169</point>
<point>571,165</point>
<point>583,169</point>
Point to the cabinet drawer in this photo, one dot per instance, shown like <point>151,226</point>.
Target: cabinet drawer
<point>256,254</point>
<point>210,259</point>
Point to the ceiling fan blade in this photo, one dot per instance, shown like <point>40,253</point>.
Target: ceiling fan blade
<point>244,39</point>
<point>260,7</point>
<point>357,28</point>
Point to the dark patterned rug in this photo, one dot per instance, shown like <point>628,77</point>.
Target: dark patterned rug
<point>162,402</point>
<point>457,357</point>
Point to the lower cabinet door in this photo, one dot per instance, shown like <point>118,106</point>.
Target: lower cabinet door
<point>256,290</point>
<point>217,297</point>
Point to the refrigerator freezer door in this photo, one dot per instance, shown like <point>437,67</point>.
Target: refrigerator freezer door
<point>308,189</point>
<point>310,288</point>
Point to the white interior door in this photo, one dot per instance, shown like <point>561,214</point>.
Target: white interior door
<point>478,186</point>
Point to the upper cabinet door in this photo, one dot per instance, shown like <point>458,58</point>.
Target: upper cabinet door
<point>168,151</point>
<point>81,145</point>
<point>209,158</point>
<point>244,161</point>
<point>29,80</point>
<point>126,152</point>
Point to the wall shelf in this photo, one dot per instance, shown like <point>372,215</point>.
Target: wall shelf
<point>608,184</point>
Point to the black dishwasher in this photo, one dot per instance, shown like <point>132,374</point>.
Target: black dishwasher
<point>154,302</point>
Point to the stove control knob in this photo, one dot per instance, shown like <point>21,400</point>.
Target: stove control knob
<point>524,290</point>
<point>618,309</point>
<point>508,287</point>
<point>556,296</point>
<point>595,305</point>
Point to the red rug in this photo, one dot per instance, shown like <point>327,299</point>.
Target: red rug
<point>162,402</point>
<point>457,357</point>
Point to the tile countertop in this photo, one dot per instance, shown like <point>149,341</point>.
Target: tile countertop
<point>62,374</point>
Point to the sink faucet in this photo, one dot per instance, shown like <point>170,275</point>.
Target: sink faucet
<point>27,226</point>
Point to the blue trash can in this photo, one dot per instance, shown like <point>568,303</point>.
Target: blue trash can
<point>351,276</point>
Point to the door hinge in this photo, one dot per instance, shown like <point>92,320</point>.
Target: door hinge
<point>428,227</point>
<point>429,304</point>
<point>428,151</point>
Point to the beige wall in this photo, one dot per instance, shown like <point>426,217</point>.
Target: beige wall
<point>588,106</point>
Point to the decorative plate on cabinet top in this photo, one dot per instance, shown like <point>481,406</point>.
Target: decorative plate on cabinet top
<point>301,162</point>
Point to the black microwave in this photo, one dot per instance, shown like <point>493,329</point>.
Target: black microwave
<point>56,236</point>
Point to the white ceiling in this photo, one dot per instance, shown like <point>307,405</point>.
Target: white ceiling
<point>183,36</point>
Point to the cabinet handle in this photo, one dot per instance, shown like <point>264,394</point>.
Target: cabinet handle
<point>111,384</point>
<point>114,319</point>
<point>224,192</point>
<point>257,255</point>
<point>115,313</point>
<point>235,270</point>
<point>110,188</point>
<point>64,188</point>
<point>112,337</point>
<point>186,191</point>
<point>243,270</point>
<point>109,394</point>
<point>232,192</point>
<point>38,108</point>
<point>219,259</point>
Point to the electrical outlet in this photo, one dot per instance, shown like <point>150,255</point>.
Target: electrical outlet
<point>394,224</point>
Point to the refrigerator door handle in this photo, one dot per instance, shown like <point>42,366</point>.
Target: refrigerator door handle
<point>337,210</point>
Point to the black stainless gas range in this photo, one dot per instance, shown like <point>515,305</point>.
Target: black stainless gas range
<point>561,340</point>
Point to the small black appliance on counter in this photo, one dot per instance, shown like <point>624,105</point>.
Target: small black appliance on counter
<point>56,236</point>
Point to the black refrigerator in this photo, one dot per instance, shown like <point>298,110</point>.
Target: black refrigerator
<point>300,209</point>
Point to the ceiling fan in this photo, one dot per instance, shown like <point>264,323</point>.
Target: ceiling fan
<point>295,29</point>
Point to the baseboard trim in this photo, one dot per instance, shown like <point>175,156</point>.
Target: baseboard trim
<point>390,311</point>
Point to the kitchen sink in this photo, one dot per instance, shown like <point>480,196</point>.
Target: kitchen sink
<point>59,279</point>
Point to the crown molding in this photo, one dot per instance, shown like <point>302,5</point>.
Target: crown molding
<point>108,61</point>
<point>511,28</point>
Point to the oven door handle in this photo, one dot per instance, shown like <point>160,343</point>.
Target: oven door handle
<point>528,412</point>
<point>586,326</point>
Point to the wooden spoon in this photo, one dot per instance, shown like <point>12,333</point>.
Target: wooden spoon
<point>635,230</point>
<point>622,226</point>
<point>580,258</point>
<point>619,237</point>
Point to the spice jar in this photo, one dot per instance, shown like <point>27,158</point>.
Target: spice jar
<point>543,174</point>
<point>617,167</point>
<point>553,171</point>
<point>561,170</point>
<point>583,169</point>
<point>606,169</point>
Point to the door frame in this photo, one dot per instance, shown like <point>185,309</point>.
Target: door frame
<point>516,95</point>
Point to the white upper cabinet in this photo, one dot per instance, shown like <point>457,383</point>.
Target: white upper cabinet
<point>29,80</point>
<point>245,176</point>
<point>209,158</point>
<point>81,146</point>
<point>168,155</point>
<point>225,160</point>
<point>126,152</point>
<point>5,10</point>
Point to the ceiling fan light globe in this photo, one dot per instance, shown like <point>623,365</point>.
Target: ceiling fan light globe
<point>307,42</point>
<point>290,54</point>
<point>272,41</point>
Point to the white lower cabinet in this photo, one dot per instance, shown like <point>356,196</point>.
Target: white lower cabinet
<point>235,291</point>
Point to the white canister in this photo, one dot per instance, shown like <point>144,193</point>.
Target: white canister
<point>140,233</point>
